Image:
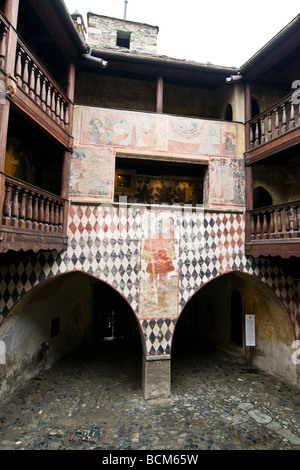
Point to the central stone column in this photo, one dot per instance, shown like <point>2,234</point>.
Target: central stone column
<point>156,378</point>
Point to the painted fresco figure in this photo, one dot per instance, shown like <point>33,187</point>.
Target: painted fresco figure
<point>160,250</point>
<point>95,130</point>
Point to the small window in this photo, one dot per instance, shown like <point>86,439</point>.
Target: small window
<point>123,39</point>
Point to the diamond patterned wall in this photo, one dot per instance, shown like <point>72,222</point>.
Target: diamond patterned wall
<point>105,242</point>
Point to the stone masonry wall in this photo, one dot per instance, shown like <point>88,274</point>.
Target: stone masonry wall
<point>102,33</point>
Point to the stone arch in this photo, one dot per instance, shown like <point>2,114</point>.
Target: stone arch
<point>207,316</point>
<point>261,197</point>
<point>31,322</point>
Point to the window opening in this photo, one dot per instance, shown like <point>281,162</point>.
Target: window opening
<point>123,39</point>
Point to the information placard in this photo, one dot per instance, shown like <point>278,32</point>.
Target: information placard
<point>250,330</point>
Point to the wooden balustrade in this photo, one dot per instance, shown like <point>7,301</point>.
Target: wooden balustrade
<point>28,207</point>
<point>3,41</point>
<point>34,80</point>
<point>274,122</point>
<point>275,222</point>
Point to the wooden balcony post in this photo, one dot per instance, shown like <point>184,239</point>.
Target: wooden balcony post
<point>11,11</point>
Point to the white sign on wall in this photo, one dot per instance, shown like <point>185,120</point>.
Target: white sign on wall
<point>250,330</point>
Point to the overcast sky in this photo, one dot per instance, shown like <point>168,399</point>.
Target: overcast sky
<point>217,31</point>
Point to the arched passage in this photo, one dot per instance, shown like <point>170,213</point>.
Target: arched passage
<point>205,323</point>
<point>64,313</point>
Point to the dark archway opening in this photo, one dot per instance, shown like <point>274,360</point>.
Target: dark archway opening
<point>261,197</point>
<point>228,113</point>
<point>113,319</point>
<point>236,318</point>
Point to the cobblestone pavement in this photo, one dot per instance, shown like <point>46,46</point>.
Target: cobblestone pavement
<point>92,399</point>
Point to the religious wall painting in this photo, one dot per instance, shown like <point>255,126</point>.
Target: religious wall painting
<point>227,182</point>
<point>159,271</point>
<point>116,128</point>
<point>229,140</point>
<point>92,172</point>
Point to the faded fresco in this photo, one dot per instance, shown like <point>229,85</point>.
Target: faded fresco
<point>227,182</point>
<point>92,171</point>
<point>159,272</point>
<point>96,129</point>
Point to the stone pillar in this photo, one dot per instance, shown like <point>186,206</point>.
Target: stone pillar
<point>156,379</point>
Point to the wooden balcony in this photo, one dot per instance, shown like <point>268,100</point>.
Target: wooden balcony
<point>32,89</point>
<point>274,130</point>
<point>274,230</point>
<point>32,219</point>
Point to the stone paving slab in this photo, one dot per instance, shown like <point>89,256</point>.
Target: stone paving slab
<point>93,400</point>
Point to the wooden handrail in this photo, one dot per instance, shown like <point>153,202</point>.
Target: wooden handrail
<point>275,222</point>
<point>27,206</point>
<point>37,83</point>
<point>273,122</point>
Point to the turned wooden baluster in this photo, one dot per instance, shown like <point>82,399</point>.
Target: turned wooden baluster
<point>61,217</point>
<point>272,225</point>
<point>258,227</point>
<point>276,122</point>
<point>18,71</point>
<point>292,114</point>
<point>252,226</point>
<point>38,88</point>
<point>41,214</point>
<point>44,95</point>
<point>15,206</point>
<point>284,126</point>
<point>25,80</point>
<point>51,227</point>
<point>295,222</point>
<point>269,126</point>
<point>263,134</point>
<point>35,214</point>
<point>48,102</point>
<point>3,47</point>
<point>47,215</point>
<point>22,213</point>
<point>57,112</point>
<point>53,104</point>
<point>287,224</point>
<point>32,82</point>
<point>67,118</point>
<point>56,217</point>
<point>251,137</point>
<point>279,223</point>
<point>62,113</point>
<point>29,211</point>
<point>6,220</point>
<point>265,226</point>
<point>256,133</point>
